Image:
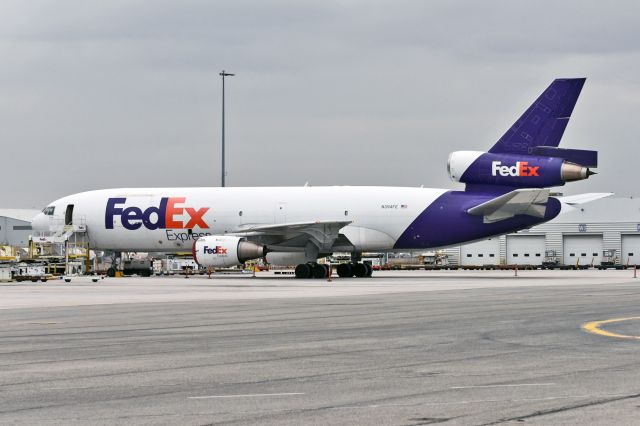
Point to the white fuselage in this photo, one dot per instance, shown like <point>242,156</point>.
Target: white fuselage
<point>377,215</point>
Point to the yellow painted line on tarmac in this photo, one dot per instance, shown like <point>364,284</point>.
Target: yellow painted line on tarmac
<point>594,327</point>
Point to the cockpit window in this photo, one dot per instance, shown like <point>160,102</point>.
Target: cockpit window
<point>49,210</point>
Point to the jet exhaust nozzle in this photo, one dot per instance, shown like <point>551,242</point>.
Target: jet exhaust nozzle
<point>570,172</point>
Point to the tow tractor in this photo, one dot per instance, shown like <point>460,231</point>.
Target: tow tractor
<point>610,260</point>
<point>551,260</point>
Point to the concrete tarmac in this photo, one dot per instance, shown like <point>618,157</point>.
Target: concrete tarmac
<point>402,348</point>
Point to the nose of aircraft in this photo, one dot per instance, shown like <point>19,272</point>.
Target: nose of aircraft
<point>40,222</point>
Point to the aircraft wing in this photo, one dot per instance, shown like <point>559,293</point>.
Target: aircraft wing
<point>321,234</point>
<point>531,202</point>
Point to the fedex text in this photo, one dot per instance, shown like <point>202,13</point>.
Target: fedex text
<point>522,168</point>
<point>171,213</point>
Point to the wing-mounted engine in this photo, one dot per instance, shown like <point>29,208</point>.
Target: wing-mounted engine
<point>221,251</point>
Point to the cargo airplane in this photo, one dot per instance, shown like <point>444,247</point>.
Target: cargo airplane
<point>506,190</point>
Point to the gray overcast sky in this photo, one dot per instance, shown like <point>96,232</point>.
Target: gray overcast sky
<point>97,94</point>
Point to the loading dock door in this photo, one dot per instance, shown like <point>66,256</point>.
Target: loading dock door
<point>583,248</point>
<point>525,249</point>
<point>485,252</point>
<point>630,250</point>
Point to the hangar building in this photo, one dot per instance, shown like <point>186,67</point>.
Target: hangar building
<point>578,236</point>
<point>15,226</point>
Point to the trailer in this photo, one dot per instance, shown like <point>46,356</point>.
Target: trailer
<point>33,272</point>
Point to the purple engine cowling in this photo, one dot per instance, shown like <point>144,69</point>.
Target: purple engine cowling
<point>513,170</point>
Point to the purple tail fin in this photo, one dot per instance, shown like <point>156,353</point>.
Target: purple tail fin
<point>543,123</point>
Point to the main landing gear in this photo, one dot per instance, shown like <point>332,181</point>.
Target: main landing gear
<point>358,270</point>
<point>345,270</point>
<point>312,270</point>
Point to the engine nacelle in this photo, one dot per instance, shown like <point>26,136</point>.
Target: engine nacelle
<point>221,251</point>
<point>515,170</point>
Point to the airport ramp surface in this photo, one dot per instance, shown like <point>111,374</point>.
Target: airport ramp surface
<point>405,348</point>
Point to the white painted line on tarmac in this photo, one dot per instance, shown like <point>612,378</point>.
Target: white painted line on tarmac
<point>250,395</point>
<point>503,386</point>
<point>548,398</point>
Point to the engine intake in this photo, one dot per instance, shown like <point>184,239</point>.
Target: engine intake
<point>221,251</point>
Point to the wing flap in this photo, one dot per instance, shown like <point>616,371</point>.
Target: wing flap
<point>317,236</point>
<point>288,228</point>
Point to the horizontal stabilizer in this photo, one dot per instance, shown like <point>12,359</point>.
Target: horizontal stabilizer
<point>577,199</point>
<point>530,202</point>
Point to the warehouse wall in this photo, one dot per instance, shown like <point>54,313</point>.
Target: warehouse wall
<point>14,232</point>
<point>609,217</point>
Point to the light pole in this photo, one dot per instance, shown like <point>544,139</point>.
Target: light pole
<point>223,74</point>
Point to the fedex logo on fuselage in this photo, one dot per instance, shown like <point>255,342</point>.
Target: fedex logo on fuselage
<point>522,168</point>
<point>214,250</point>
<point>165,216</point>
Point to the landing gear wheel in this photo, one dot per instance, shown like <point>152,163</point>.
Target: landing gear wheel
<point>344,270</point>
<point>111,272</point>
<point>319,271</point>
<point>359,270</point>
<point>369,269</point>
<point>303,270</point>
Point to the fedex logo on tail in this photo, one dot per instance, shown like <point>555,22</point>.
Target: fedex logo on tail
<point>214,250</point>
<point>170,214</point>
<point>522,168</point>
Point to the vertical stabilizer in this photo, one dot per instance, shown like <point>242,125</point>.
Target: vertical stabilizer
<point>543,123</point>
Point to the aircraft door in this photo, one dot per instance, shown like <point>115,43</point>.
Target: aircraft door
<point>68,215</point>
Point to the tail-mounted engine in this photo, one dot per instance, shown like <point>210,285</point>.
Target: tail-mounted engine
<point>544,167</point>
<point>221,251</point>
